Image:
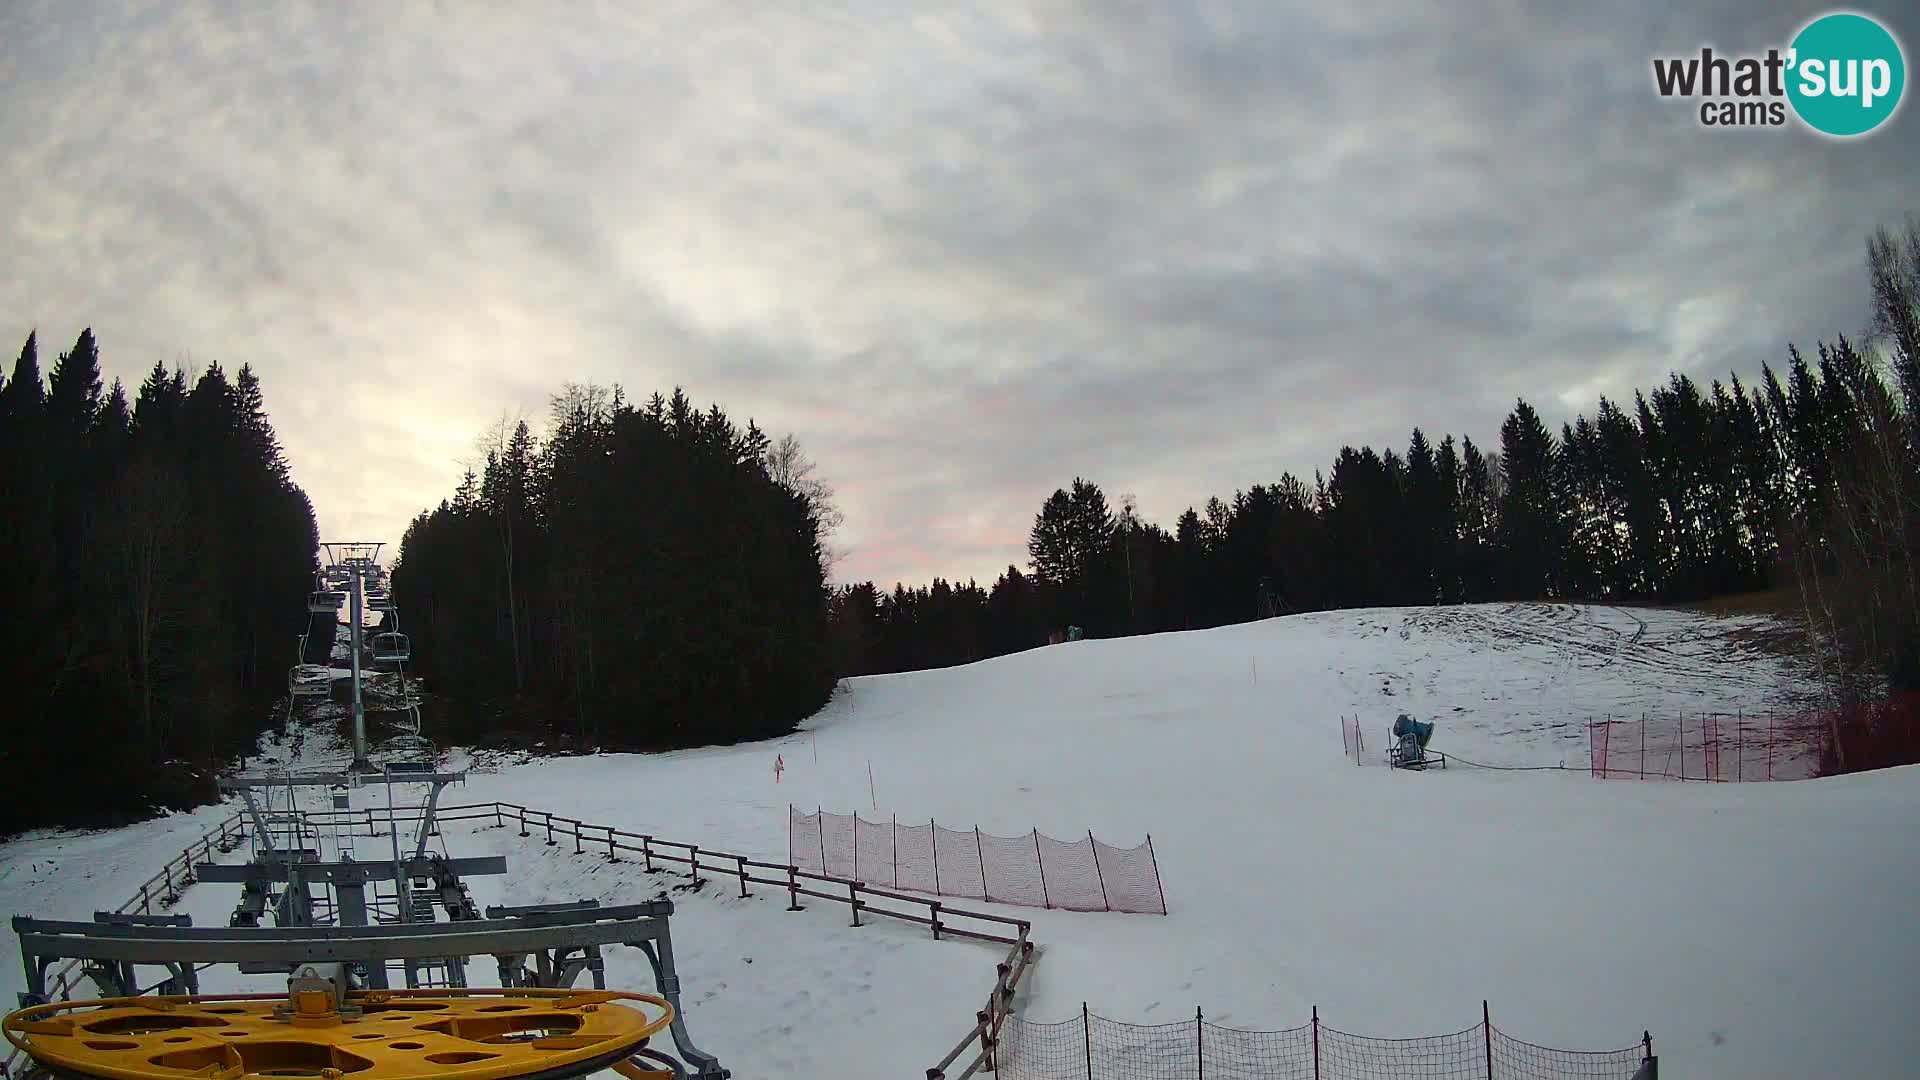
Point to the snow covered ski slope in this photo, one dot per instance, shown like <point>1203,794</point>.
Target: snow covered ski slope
<point>1759,930</point>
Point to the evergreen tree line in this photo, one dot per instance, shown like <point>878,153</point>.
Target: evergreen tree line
<point>155,558</point>
<point>1684,492</point>
<point>646,577</point>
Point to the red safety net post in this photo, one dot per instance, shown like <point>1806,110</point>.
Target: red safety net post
<point>1199,1043</point>
<point>980,853</point>
<point>1158,885</point>
<point>1086,1028</point>
<point>1045,900</point>
<point>1099,874</point>
<point>1486,1029</point>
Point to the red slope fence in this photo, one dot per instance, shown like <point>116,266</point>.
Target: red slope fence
<point>1092,1047</point>
<point>1735,747</point>
<point>1028,871</point>
<point>1703,746</point>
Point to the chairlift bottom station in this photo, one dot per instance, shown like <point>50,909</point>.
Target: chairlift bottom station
<point>337,946</point>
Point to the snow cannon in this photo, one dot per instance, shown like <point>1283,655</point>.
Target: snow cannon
<point>1408,748</point>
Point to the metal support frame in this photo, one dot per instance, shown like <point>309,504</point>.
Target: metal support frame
<point>298,868</point>
<point>554,968</point>
<point>426,819</point>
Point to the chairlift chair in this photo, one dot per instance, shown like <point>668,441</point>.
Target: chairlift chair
<point>309,681</point>
<point>391,648</point>
<point>323,602</point>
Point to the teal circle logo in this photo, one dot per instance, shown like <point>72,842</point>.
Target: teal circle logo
<point>1846,74</point>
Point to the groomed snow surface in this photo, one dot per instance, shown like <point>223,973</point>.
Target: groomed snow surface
<point>1758,930</point>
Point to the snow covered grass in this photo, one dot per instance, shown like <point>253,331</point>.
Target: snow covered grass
<point>1758,930</point>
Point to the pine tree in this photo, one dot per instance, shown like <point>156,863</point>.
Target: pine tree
<point>1479,518</point>
<point>23,394</point>
<point>1428,527</point>
<point>1531,534</point>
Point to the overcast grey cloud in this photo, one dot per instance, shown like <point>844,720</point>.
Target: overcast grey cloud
<point>963,252</point>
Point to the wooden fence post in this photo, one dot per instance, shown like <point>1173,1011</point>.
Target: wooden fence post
<point>578,828</point>
<point>933,831</point>
<point>742,860</point>
<point>793,888</point>
<point>694,862</point>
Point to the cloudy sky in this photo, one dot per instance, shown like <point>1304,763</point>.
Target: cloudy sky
<point>964,252</point>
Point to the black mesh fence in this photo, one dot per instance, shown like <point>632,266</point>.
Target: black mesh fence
<point>1092,1047</point>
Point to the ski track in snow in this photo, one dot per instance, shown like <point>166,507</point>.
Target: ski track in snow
<point>1758,930</point>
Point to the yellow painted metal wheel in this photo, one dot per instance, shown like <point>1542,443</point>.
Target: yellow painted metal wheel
<point>470,1034</point>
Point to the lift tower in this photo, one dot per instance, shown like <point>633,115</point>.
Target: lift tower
<point>360,558</point>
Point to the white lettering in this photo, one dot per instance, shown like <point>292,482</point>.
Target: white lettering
<point>1879,80</point>
<point>1850,85</point>
<point>1813,77</point>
